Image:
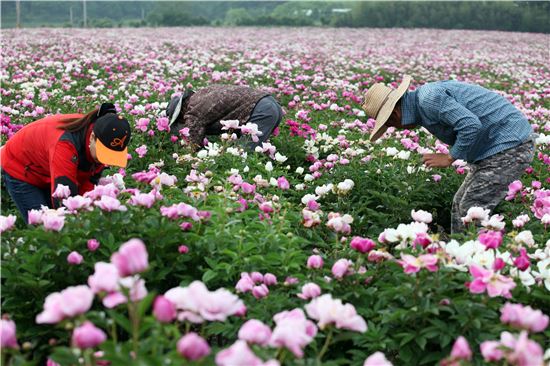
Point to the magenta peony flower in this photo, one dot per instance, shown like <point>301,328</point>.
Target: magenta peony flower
<point>362,245</point>
<point>193,347</point>
<point>88,336</point>
<point>491,239</point>
<point>487,280</point>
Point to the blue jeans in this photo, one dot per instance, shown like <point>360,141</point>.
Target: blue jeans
<point>26,196</point>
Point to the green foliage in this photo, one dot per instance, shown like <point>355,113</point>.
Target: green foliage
<point>526,16</point>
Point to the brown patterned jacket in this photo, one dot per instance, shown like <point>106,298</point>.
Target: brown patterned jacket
<point>203,111</point>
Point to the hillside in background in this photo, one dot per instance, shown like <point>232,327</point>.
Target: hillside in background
<point>506,15</point>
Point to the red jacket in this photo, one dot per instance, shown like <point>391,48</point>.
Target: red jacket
<point>43,155</point>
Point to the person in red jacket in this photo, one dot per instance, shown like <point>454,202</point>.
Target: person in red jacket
<point>67,149</point>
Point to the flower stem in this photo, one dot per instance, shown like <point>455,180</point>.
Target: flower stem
<point>325,347</point>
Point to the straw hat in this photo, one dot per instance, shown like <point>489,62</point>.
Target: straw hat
<point>379,103</point>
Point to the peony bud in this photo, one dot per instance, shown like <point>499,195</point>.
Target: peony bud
<point>74,258</point>
<point>88,336</point>
<point>164,310</point>
<point>192,346</point>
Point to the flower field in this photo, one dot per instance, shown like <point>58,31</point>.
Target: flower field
<point>319,248</point>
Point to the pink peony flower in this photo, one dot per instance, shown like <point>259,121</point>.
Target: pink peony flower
<point>309,291</point>
<point>163,124</point>
<point>362,245</point>
<point>315,262</point>
<point>8,334</point>
<point>486,280</point>
<point>412,264</point>
<point>88,336</point>
<point>164,310</point>
<point>327,310</point>
<point>341,268</point>
<point>141,151</point>
<point>461,350</point>
<point>283,183</point>
<point>270,279</point>
<point>248,188</point>
<point>104,279</point>
<point>193,347</point>
<point>7,222</point>
<point>523,317</point>
<point>196,304</point>
<point>92,245</point>
<point>110,204</point>
<point>53,221</point>
<point>237,354</point>
<point>377,359</point>
<point>292,331</point>
<point>35,217</point>
<point>131,258</point>
<point>68,303</point>
<point>255,332</point>
<point>520,350</point>
<point>61,191</point>
<point>143,200</point>
<point>183,249</point>
<point>74,258</point>
<point>260,291</point>
<point>490,350</point>
<point>257,277</point>
<point>77,203</point>
<point>245,284</point>
<point>513,189</point>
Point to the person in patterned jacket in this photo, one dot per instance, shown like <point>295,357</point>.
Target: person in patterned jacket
<point>63,149</point>
<point>484,129</point>
<point>202,111</point>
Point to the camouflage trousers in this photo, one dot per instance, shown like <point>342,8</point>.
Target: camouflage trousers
<point>487,182</point>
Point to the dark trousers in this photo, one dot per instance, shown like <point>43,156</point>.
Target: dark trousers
<point>267,114</point>
<point>26,196</point>
<point>487,182</point>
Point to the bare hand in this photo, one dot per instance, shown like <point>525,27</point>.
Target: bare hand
<point>437,160</point>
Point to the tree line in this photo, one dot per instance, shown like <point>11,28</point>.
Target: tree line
<point>522,16</point>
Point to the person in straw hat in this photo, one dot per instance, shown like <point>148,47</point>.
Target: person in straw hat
<point>483,127</point>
